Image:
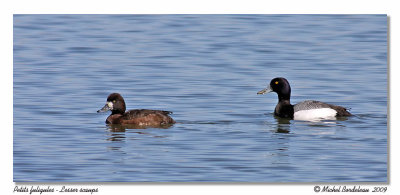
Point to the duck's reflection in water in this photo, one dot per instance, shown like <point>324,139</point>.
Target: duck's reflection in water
<point>283,125</point>
<point>116,132</point>
<point>124,127</point>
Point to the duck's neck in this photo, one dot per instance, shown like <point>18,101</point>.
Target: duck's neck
<point>284,108</point>
<point>284,98</point>
<point>118,111</point>
<point>284,101</point>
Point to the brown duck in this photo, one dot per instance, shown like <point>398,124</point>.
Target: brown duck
<point>139,117</point>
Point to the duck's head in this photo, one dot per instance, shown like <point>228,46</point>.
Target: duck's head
<point>279,85</point>
<point>115,103</point>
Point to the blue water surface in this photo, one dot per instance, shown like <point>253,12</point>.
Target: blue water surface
<point>207,69</point>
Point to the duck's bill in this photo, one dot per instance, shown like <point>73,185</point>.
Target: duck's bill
<point>106,107</point>
<point>264,91</point>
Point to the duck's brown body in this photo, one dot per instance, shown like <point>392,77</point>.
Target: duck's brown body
<point>141,117</point>
<point>138,117</point>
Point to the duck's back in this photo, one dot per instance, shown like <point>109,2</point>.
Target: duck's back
<point>310,105</point>
<point>136,113</point>
<point>147,117</point>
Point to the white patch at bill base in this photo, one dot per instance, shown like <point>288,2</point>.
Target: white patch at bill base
<point>110,105</point>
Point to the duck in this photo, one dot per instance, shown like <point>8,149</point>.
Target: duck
<point>138,117</point>
<point>307,110</point>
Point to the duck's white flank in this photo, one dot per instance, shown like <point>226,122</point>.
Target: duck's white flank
<point>315,114</point>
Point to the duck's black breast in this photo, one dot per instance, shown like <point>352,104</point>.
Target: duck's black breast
<point>284,109</point>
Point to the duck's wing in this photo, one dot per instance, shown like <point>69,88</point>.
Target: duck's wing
<point>137,113</point>
<point>147,117</point>
<point>312,104</point>
<point>309,105</point>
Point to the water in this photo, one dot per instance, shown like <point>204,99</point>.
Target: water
<point>207,69</point>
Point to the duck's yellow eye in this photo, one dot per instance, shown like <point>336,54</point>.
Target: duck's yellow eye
<point>276,82</point>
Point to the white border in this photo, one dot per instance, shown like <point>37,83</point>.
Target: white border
<point>184,7</point>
